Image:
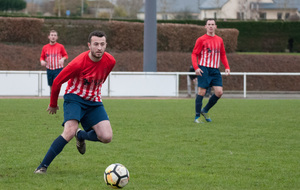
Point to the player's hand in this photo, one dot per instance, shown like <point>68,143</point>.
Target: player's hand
<point>199,72</point>
<point>52,110</point>
<point>61,62</point>
<point>43,63</point>
<point>227,71</point>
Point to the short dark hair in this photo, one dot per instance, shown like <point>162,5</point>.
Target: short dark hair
<point>96,33</point>
<point>52,31</point>
<point>210,19</point>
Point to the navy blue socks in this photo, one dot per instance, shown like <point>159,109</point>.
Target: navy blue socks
<point>211,102</point>
<point>198,105</point>
<point>56,147</point>
<point>91,135</point>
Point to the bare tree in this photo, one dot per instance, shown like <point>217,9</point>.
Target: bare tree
<point>243,8</point>
<point>254,9</point>
<point>48,7</point>
<point>130,6</point>
<point>164,5</point>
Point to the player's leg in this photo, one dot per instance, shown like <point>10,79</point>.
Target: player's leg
<point>208,92</point>
<point>211,102</point>
<point>58,145</point>
<point>50,78</point>
<point>198,103</point>
<point>102,132</point>
<point>216,81</point>
<point>74,110</point>
<point>202,85</point>
<point>70,128</point>
<point>96,127</point>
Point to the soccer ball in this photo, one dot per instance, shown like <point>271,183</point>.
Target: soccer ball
<point>116,176</point>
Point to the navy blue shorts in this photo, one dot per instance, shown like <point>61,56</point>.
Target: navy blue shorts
<point>210,77</point>
<point>52,74</point>
<point>85,112</point>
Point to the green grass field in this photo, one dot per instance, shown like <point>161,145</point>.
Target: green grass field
<point>251,144</point>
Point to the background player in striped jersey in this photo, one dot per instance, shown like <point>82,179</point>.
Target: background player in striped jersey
<point>52,57</point>
<point>82,100</point>
<point>208,52</point>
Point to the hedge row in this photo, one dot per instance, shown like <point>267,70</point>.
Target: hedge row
<point>122,36</point>
<point>28,59</point>
<point>261,36</point>
<point>21,30</point>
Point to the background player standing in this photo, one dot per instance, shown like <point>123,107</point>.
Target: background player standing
<point>208,51</point>
<point>53,56</point>
<point>82,100</point>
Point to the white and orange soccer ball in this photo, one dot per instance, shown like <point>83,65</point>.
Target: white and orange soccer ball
<point>116,176</point>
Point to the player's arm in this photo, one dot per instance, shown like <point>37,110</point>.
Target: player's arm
<point>224,59</point>
<point>62,60</point>
<point>195,55</point>
<point>64,55</point>
<point>111,66</point>
<point>42,58</point>
<point>68,72</point>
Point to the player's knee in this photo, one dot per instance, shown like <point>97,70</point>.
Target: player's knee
<point>68,134</point>
<point>201,92</point>
<point>219,93</point>
<point>106,138</point>
<point>70,128</point>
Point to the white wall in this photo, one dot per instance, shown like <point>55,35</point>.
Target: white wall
<point>143,84</point>
<point>19,84</point>
<point>34,83</point>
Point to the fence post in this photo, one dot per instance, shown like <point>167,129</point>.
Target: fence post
<point>40,84</point>
<point>189,86</point>
<point>245,85</point>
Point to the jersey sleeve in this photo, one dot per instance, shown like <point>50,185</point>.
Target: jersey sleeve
<point>223,56</point>
<point>112,64</point>
<point>196,52</point>
<point>71,70</point>
<point>64,52</point>
<point>42,57</point>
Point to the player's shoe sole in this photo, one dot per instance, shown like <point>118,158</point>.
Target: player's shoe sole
<point>206,116</point>
<point>81,147</point>
<point>41,170</point>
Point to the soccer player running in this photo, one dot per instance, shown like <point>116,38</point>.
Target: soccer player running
<point>82,100</point>
<point>208,51</point>
<point>52,57</point>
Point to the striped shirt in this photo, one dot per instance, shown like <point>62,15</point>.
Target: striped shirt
<point>85,77</point>
<point>52,54</point>
<point>208,52</point>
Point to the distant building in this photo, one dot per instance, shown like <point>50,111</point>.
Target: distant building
<point>172,9</point>
<point>226,9</point>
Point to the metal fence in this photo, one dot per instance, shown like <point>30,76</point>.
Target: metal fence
<point>34,83</point>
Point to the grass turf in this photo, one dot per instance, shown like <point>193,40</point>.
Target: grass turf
<point>251,144</point>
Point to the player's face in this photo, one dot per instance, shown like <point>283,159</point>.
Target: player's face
<point>97,46</point>
<point>211,26</point>
<point>53,37</point>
